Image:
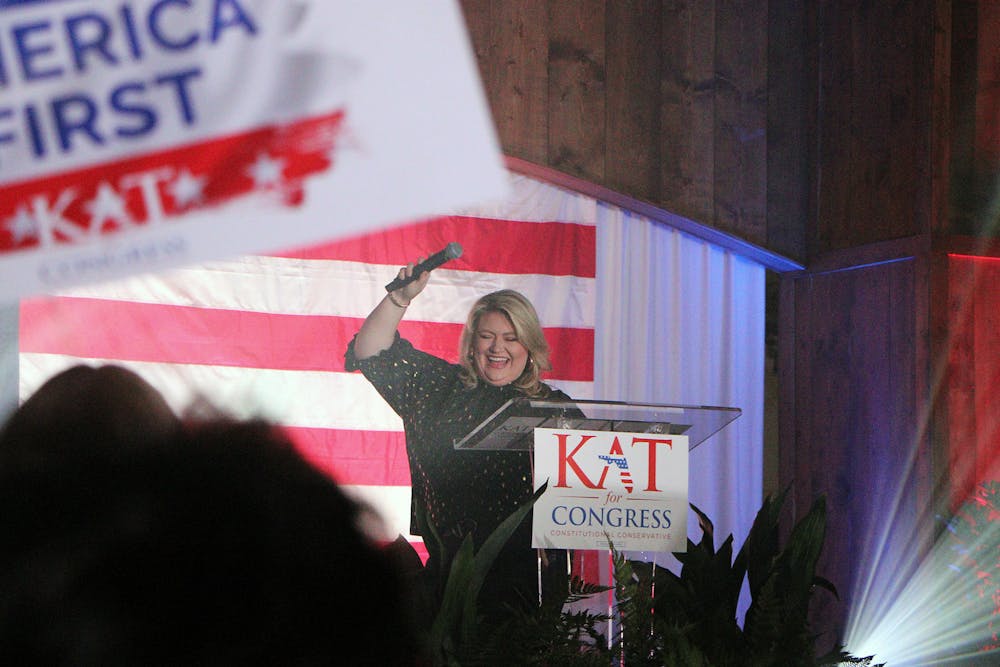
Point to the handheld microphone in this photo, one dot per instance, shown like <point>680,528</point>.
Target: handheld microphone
<point>450,251</point>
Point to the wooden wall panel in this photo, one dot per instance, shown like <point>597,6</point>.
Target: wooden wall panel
<point>905,408</point>
<point>510,40</point>
<point>946,67</point>
<point>988,88</point>
<point>740,147</point>
<point>577,92</point>
<point>874,164</point>
<point>987,364</point>
<point>835,146</point>
<point>662,100</point>
<point>687,109</point>
<point>822,344</point>
<point>959,385</point>
<point>632,158</point>
<point>972,381</point>
<point>851,388</point>
<point>974,105</point>
<point>675,102</point>
<point>790,114</point>
<point>902,121</point>
<point>976,96</point>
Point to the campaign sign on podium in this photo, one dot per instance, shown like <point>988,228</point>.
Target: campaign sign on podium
<point>616,471</point>
<point>629,489</point>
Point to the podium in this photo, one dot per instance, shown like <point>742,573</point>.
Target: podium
<point>512,426</point>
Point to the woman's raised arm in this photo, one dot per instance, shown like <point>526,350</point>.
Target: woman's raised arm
<point>379,328</point>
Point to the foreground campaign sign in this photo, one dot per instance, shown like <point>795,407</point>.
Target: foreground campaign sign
<point>137,135</point>
<point>629,489</point>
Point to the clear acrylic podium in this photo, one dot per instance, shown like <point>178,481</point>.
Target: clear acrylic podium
<point>512,426</point>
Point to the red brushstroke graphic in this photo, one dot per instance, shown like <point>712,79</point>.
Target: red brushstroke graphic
<point>100,201</point>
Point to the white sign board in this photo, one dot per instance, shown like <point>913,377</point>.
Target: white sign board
<point>627,488</point>
<point>141,134</point>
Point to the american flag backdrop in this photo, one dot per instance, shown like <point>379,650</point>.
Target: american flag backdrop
<point>264,335</point>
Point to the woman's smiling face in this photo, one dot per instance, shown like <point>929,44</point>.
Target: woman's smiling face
<point>499,356</point>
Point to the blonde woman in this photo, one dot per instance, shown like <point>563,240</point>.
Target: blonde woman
<point>503,353</point>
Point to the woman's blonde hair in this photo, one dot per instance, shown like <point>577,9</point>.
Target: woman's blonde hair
<point>516,307</point>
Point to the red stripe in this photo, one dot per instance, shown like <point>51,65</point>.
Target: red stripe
<point>103,329</point>
<point>492,246</point>
<point>587,564</point>
<point>370,458</point>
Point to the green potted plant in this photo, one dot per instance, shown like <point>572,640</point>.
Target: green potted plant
<point>659,618</point>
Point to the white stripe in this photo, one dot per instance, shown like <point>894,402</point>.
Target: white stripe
<point>309,399</point>
<point>529,200</point>
<point>344,289</point>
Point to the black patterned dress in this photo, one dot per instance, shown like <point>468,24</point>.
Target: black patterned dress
<point>461,492</point>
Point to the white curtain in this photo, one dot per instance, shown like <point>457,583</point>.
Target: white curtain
<point>681,321</point>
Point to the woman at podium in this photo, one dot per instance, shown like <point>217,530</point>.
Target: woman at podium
<point>502,354</point>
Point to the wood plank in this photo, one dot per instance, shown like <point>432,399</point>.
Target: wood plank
<point>942,130</point>
<point>921,416</point>
<point>907,406</point>
<point>864,109</point>
<point>740,146</point>
<point>987,369</point>
<point>510,40</point>
<point>576,87</point>
<point>796,371</point>
<point>687,110</point>
<point>869,130</point>
<point>790,113</point>
<point>984,165</point>
<point>973,378</point>
<point>790,373</point>
<point>888,503</point>
<point>852,382</point>
<point>957,189</point>
<point>834,158</point>
<point>875,144</point>
<point>939,323</point>
<point>988,86</point>
<point>960,376</point>
<point>909,93</point>
<point>632,154</point>
<point>832,428</point>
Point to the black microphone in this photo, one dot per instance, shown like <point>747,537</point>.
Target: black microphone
<point>450,251</point>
